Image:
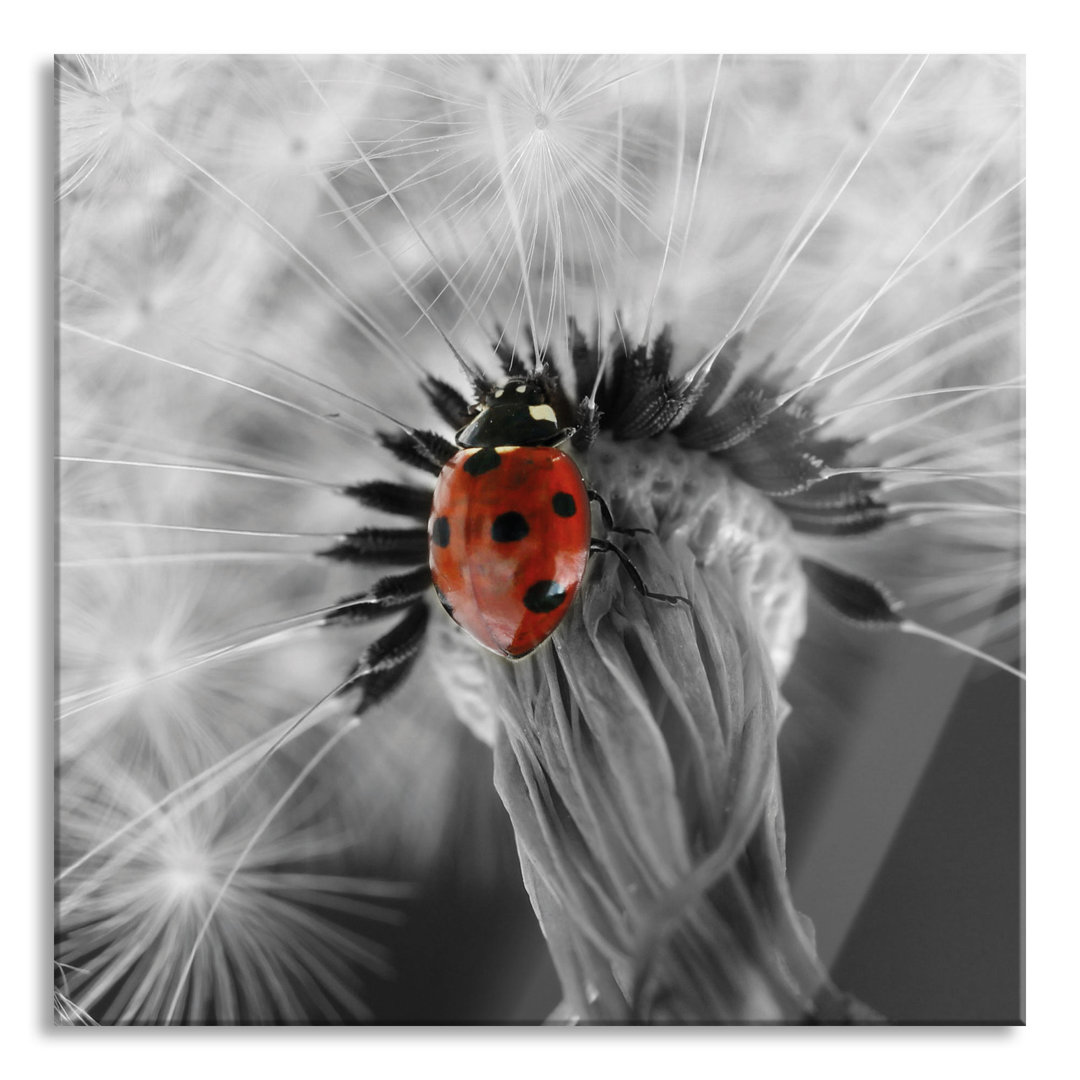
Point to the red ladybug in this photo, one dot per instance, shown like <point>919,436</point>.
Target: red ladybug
<point>509,534</point>
<point>510,527</point>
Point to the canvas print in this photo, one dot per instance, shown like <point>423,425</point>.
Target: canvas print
<point>540,540</point>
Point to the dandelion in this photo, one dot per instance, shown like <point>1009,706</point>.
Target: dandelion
<point>227,885</point>
<point>788,292</point>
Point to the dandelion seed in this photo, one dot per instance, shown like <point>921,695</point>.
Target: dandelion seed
<point>127,918</point>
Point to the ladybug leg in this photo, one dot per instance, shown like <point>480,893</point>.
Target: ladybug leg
<point>605,513</point>
<point>598,546</point>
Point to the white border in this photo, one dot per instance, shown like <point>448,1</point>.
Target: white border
<point>1053,752</point>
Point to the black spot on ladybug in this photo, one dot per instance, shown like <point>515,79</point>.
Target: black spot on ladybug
<point>508,527</point>
<point>562,502</point>
<point>440,532</point>
<point>482,461</point>
<point>544,596</point>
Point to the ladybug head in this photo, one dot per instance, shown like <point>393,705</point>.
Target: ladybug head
<point>525,410</point>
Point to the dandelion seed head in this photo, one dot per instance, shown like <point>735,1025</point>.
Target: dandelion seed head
<point>185,878</point>
<point>103,102</point>
<point>268,222</point>
<point>130,919</point>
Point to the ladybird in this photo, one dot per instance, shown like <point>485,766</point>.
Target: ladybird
<point>510,528</point>
<point>509,536</point>
<point>506,534</point>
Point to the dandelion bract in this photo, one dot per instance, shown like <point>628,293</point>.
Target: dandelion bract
<point>792,290</point>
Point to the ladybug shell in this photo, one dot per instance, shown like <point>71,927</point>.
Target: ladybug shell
<point>509,539</point>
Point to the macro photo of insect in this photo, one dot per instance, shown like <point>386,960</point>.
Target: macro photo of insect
<point>540,540</point>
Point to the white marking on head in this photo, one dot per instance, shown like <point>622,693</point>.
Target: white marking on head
<point>499,393</point>
<point>542,412</point>
<point>522,388</point>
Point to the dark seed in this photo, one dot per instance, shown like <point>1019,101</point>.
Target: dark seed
<point>508,527</point>
<point>562,502</point>
<point>483,461</point>
<point>856,598</point>
<point>440,532</point>
<point>544,596</point>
